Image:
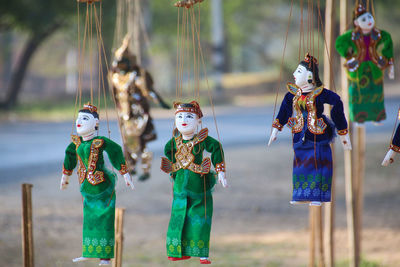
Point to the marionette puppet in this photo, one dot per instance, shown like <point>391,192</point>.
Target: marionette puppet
<point>189,228</point>
<point>133,88</point>
<point>394,148</point>
<point>302,110</point>
<point>97,184</point>
<point>365,66</point>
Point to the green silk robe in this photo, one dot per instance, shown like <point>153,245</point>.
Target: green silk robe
<point>374,52</point>
<point>192,207</point>
<point>97,186</point>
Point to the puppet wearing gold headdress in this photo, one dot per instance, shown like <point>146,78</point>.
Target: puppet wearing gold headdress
<point>133,88</point>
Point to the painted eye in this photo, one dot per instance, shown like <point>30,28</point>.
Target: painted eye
<point>363,19</point>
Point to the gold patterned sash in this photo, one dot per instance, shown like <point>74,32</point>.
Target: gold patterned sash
<point>184,156</point>
<point>93,177</point>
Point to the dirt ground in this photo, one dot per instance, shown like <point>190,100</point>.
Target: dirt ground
<point>253,223</point>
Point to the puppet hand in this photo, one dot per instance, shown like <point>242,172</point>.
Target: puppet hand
<point>273,137</point>
<point>128,180</point>
<point>346,143</point>
<point>391,72</point>
<point>389,158</point>
<point>64,182</point>
<point>139,81</point>
<point>221,179</point>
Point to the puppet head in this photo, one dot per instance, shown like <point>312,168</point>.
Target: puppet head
<point>363,19</point>
<point>307,72</point>
<point>87,121</point>
<point>124,60</point>
<point>187,117</point>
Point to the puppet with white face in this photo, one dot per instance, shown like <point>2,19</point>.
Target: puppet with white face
<point>189,228</point>
<point>302,110</point>
<point>97,184</point>
<point>365,66</point>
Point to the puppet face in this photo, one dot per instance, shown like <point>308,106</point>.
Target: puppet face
<point>302,75</point>
<point>86,123</point>
<point>187,122</point>
<point>366,22</point>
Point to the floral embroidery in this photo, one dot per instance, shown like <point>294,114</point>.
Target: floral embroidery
<point>103,242</point>
<point>108,249</point>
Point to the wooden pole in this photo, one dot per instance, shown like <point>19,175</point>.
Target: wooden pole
<point>320,236</point>
<point>311,260</point>
<point>348,155</point>
<point>328,82</point>
<point>119,236</point>
<point>360,171</point>
<point>26,226</point>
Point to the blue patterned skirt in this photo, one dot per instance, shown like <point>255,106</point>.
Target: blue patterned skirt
<point>312,171</point>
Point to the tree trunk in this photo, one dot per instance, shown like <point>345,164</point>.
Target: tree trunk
<point>18,75</point>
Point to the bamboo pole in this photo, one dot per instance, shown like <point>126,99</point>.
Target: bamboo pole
<point>359,199</point>
<point>348,155</point>
<point>328,82</point>
<point>311,260</point>
<point>27,226</point>
<point>119,236</point>
<point>320,236</point>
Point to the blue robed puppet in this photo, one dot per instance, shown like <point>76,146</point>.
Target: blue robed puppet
<point>302,110</point>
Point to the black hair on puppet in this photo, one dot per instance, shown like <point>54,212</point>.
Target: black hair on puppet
<point>311,64</point>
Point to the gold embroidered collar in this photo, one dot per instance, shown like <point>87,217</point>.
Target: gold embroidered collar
<point>315,125</point>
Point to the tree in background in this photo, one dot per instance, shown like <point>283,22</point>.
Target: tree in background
<point>39,20</point>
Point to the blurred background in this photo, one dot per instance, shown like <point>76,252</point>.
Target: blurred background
<point>253,222</point>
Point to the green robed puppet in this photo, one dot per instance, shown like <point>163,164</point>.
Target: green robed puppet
<point>97,184</point>
<point>192,207</point>
<point>368,51</point>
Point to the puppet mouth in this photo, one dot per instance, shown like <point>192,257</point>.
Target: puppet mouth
<point>184,124</point>
<point>78,125</point>
<point>369,24</point>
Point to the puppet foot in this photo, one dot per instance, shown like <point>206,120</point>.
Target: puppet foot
<point>80,259</point>
<point>178,259</point>
<point>294,202</point>
<point>377,123</point>
<point>144,176</point>
<point>205,261</point>
<point>315,203</point>
<point>105,262</point>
